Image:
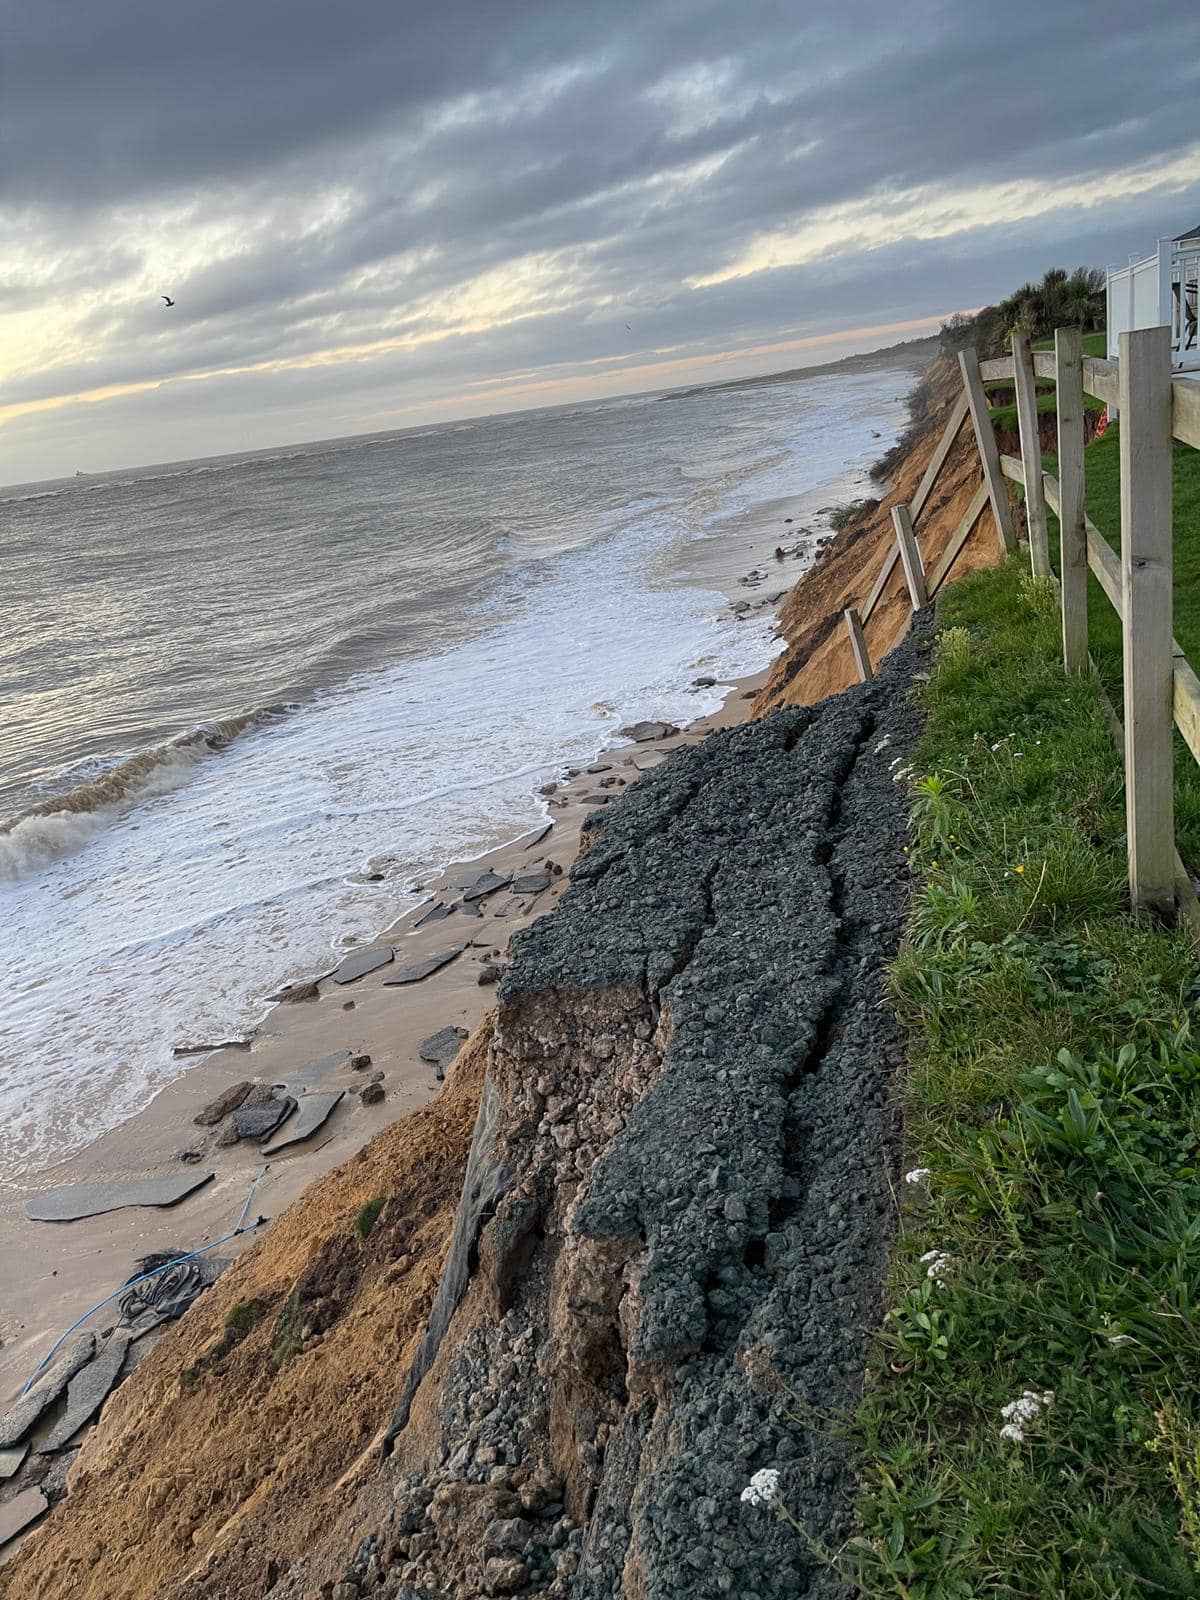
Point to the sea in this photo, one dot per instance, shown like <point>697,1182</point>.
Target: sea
<point>249,704</point>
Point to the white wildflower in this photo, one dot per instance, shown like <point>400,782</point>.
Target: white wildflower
<point>763,1487</point>
<point>937,1266</point>
<point>918,1175</point>
<point>1019,1413</point>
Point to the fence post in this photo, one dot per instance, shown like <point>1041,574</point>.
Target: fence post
<point>1073,562</point>
<point>858,643</point>
<point>985,441</point>
<point>1031,453</point>
<point>1147,580</point>
<point>910,556</point>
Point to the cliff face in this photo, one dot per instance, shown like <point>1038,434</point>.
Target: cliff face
<point>817,661</point>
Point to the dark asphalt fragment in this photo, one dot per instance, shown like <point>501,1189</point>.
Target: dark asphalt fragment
<point>89,1389</point>
<point>424,969</point>
<point>71,1201</point>
<point>20,1420</point>
<point>359,962</point>
<point>256,1122</point>
<point>312,1112</point>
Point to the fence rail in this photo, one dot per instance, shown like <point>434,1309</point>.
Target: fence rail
<point>906,549</point>
<point>1161,691</point>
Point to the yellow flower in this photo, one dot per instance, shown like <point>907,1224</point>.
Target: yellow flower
<point>1018,869</point>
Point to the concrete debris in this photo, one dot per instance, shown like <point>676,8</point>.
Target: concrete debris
<point>89,1389</point>
<point>74,1200</point>
<point>21,1419</point>
<point>359,962</point>
<point>312,1112</point>
<point>424,969</point>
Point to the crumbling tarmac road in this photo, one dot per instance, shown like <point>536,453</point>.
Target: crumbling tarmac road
<point>689,1166</point>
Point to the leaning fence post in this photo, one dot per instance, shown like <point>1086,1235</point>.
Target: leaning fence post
<point>858,643</point>
<point>910,556</point>
<point>1073,562</point>
<point>1031,453</point>
<point>1147,582</point>
<point>985,442</point>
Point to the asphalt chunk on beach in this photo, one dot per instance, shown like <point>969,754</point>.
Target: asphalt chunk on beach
<point>71,1201</point>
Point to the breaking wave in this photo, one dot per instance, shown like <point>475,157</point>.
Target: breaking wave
<point>66,822</point>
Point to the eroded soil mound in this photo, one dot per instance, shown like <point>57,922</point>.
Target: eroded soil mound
<point>219,1460</point>
<point>818,660</point>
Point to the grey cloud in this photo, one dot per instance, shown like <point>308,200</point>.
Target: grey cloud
<point>545,128</point>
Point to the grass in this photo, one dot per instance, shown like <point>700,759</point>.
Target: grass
<point>1005,417</point>
<point>1094,344</point>
<point>368,1216</point>
<point>243,1316</point>
<point>1054,1096</point>
<point>1103,496</point>
<point>288,1341</point>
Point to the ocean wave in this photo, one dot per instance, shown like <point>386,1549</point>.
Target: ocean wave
<point>65,823</point>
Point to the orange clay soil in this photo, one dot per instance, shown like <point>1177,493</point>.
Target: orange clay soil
<point>220,1455</point>
<point>818,661</point>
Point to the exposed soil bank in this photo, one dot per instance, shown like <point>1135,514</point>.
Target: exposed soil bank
<point>818,660</point>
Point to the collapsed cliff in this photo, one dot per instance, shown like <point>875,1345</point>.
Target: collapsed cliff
<point>632,1253</point>
<point>817,660</point>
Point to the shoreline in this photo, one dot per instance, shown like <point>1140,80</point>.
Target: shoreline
<point>76,1264</point>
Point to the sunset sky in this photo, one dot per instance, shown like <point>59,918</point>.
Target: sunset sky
<point>374,214</point>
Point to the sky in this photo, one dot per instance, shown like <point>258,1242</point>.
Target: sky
<point>374,213</point>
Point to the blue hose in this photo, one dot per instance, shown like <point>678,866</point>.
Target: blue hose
<point>154,1271</point>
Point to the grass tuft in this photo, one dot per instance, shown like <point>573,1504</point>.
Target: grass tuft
<point>368,1216</point>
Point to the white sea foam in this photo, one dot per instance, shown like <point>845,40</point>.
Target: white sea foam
<point>172,909</point>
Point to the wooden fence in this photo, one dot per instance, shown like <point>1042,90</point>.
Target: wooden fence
<point>905,518</point>
<point>1161,691</point>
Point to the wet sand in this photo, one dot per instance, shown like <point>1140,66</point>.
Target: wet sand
<point>53,1272</point>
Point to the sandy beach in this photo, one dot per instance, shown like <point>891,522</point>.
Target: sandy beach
<point>56,1271</point>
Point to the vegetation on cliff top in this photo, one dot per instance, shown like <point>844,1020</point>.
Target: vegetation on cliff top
<point>1032,1423</point>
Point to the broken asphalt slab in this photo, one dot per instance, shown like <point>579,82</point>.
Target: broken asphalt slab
<point>26,1412</point>
<point>359,962</point>
<point>531,883</point>
<point>436,914</point>
<point>313,1071</point>
<point>423,969</point>
<point>17,1514</point>
<point>74,1200</point>
<point>486,883</point>
<point>89,1388</point>
<point>443,1046</point>
<point>312,1112</point>
<point>256,1122</point>
<point>643,732</point>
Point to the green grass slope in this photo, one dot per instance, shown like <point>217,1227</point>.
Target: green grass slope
<point>1049,1258</point>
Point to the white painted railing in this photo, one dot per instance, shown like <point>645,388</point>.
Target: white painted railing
<point>1159,289</point>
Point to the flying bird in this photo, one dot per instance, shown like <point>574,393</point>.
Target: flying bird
<point>628,329</point>
<point>167,298</point>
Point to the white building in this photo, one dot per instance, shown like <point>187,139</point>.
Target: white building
<point>1157,289</point>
